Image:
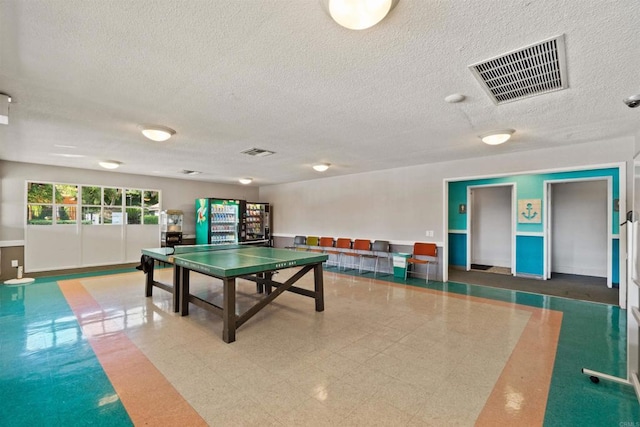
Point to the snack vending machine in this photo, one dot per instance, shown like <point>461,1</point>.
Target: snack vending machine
<point>257,222</point>
<point>218,221</point>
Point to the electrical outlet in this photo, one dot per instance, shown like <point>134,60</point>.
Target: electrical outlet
<point>429,233</point>
<point>14,263</point>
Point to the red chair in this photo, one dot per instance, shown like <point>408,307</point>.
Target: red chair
<point>343,246</point>
<point>423,254</point>
<point>326,245</point>
<point>360,247</point>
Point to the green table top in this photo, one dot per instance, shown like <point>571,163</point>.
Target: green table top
<point>232,260</point>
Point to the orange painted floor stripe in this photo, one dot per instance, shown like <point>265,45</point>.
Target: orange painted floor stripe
<point>145,393</point>
<point>521,392</point>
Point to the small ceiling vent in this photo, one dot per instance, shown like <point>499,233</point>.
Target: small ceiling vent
<point>188,172</point>
<point>530,71</point>
<point>258,152</point>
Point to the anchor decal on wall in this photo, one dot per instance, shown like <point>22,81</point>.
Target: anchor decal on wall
<point>529,211</point>
<point>528,214</point>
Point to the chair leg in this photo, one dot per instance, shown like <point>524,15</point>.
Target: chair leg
<point>428,266</point>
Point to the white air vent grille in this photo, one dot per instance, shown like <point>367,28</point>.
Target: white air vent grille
<point>258,152</point>
<point>530,71</point>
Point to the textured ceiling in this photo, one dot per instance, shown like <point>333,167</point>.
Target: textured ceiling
<point>281,75</point>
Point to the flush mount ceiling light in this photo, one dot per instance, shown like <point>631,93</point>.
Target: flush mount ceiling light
<point>110,164</point>
<point>358,14</point>
<point>245,181</point>
<point>497,137</point>
<point>157,133</point>
<point>321,167</point>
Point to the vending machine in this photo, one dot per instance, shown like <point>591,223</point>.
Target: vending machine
<point>218,221</point>
<point>257,221</point>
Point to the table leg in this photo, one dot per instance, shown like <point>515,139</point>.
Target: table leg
<point>268,275</point>
<point>149,274</point>
<point>176,288</point>
<point>229,310</point>
<point>259,287</point>
<point>319,286</point>
<point>183,290</point>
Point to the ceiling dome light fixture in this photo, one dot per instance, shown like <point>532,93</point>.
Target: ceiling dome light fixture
<point>157,133</point>
<point>110,164</point>
<point>245,181</point>
<point>358,14</point>
<point>497,137</point>
<point>321,167</point>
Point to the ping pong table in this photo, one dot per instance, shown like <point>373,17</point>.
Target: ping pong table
<point>227,263</point>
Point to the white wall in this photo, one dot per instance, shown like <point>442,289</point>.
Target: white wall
<point>401,204</point>
<point>176,193</point>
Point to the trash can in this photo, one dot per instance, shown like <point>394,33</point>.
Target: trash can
<point>400,264</point>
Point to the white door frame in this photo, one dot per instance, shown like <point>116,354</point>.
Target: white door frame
<point>513,221</point>
<point>547,221</point>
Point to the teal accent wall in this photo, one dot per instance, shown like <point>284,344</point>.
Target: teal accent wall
<point>458,249</point>
<point>530,255</point>
<point>529,249</point>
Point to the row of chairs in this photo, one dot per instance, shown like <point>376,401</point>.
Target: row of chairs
<point>343,248</point>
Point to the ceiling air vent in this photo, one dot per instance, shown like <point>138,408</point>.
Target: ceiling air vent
<point>257,152</point>
<point>188,172</point>
<point>523,73</point>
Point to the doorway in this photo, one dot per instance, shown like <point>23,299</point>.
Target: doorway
<point>491,229</point>
<point>577,235</point>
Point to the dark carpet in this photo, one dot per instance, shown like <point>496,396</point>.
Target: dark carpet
<point>585,288</point>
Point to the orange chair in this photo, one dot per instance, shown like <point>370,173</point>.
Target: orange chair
<point>360,247</point>
<point>326,246</point>
<point>428,253</point>
<point>343,246</point>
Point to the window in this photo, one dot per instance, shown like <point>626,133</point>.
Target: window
<point>151,210</point>
<point>142,206</point>
<point>92,205</point>
<point>45,199</point>
<point>112,206</point>
<point>39,203</point>
<point>66,197</point>
<point>49,204</point>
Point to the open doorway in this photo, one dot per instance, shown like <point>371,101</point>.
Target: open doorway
<point>577,241</point>
<point>491,241</point>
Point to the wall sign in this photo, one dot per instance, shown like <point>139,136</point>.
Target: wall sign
<point>529,211</point>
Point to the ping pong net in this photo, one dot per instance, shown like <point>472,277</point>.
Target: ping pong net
<point>189,249</point>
